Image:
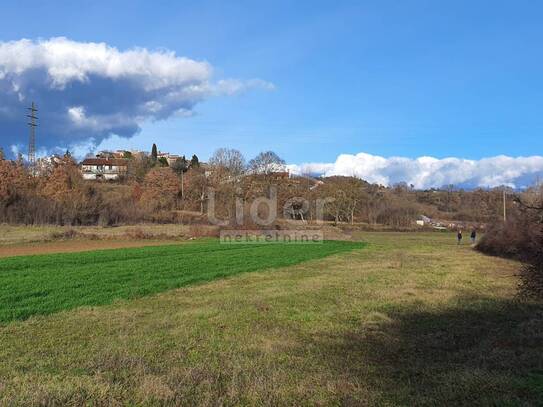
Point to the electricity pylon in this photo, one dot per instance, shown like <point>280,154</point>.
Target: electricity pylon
<point>32,142</point>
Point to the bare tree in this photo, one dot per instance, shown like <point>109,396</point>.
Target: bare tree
<point>347,194</point>
<point>196,187</point>
<point>267,162</point>
<point>228,160</point>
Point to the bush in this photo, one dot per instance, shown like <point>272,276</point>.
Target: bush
<point>520,238</point>
<point>65,235</point>
<point>398,216</point>
<point>531,281</point>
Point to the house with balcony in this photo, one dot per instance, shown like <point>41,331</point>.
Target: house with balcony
<point>103,168</point>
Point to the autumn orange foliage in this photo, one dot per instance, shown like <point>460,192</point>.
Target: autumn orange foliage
<point>160,189</point>
<point>13,178</point>
<point>64,181</point>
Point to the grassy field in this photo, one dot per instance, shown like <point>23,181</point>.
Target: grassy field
<point>55,282</point>
<point>411,319</point>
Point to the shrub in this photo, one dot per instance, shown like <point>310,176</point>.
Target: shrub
<point>520,238</point>
<point>65,235</point>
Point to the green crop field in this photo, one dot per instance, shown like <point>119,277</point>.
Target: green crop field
<point>49,283</point>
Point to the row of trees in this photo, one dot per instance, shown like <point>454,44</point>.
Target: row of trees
<point>348,199</point>
<point>152,190</point>
<point>232,163</point>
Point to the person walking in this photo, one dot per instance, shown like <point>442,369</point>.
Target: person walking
<point>459,237</point>
<point>473,236</point>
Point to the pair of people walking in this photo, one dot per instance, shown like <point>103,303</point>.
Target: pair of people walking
<point>473,236</point>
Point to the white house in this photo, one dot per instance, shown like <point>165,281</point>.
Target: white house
<point>45,165</point>
<point>103,168</point>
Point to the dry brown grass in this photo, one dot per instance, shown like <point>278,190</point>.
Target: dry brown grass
<point>37,234</point>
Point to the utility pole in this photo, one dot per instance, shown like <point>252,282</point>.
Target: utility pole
<point>182,187</point>
<point>32,142</point>
<point>504,207</point>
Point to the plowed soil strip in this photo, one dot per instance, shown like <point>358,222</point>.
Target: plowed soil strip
<point>69,246</point>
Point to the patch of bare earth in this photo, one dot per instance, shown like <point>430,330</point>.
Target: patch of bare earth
<point>68,246</point>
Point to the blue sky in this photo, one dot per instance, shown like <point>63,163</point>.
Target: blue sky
<point>388,78</point>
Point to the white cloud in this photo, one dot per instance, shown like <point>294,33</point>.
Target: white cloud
<point>234,86</point>
<point>67,61</point>
<point>428,172</point>
<point>82,149</point>
<point>15,149</point>
<point>77,114</point>
<point>86,89</point>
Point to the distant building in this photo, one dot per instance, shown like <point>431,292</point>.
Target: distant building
<point>170,158</point>
<point>105,154</point>
<point>424,220</point>
<point>208,169</point>
<point>137,154</point>
<point>45,165</point>
<point>120,154</point>
<point>103,168</point>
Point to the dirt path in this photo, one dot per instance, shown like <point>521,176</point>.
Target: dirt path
<point>65,246</point>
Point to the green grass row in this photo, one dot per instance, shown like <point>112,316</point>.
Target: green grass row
<point>44,284</point>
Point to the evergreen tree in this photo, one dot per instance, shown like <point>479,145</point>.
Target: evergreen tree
<point>194,162</point>
<point>154,152</point>
<point>180,165</point>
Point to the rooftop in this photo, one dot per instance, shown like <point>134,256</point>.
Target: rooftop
<point>119,162</point>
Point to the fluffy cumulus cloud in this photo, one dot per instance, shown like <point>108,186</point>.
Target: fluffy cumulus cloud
<point>93,90</point>
<point>428,172</point>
